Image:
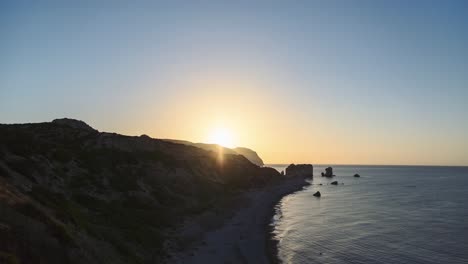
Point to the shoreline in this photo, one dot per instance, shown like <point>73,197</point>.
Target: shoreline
<point>271,244</point>
<point>238,234</point>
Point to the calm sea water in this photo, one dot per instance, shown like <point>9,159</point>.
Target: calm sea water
<point>391,214</point>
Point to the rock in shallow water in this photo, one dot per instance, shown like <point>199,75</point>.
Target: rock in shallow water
<point>328,172</point>
<point>334,183</point>
<point>357,175</point>
<point>317,194</point>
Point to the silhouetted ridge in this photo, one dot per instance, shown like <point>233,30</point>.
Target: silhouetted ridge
<point>251,155</point>
<point>73,123</point>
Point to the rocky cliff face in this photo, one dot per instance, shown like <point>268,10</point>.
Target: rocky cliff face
<point>294,170</point>
<point>249,154</point>
<point>71,194</point>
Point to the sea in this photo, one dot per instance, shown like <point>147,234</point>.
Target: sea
<point>391,214</point>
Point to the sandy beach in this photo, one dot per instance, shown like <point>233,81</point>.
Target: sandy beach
<point>239,234</point>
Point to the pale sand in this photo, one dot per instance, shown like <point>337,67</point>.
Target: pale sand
<point>235,235</point>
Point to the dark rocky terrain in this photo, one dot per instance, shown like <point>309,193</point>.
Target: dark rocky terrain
<point>251,155</point>
<point>299,170</point>
<point>71,194</point>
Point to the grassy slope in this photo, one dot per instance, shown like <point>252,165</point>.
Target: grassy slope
<point>77,195</point>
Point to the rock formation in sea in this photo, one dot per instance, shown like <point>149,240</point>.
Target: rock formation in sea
<point>294,170</point>
<point>317,194</point>
<point>334,183</point>
<point>72,194</point>
<point>328,172</point>
<point>357,175</point>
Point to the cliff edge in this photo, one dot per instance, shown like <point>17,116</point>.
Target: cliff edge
<point>249,154</point>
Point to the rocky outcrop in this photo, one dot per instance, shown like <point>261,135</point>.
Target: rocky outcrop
<point>317,194</point>
<point>328,172</point>
<point>334,183</point>
<point>357,175</point>
<point>82,196</point>
<point>294,170</point>
<point>73,123</point>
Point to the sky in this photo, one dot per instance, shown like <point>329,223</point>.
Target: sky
<point>323,82</point>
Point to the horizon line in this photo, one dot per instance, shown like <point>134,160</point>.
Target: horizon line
<point>369,165</point>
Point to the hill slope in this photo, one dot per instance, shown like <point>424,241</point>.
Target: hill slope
<point>71,194</point>
<point>249,154</point>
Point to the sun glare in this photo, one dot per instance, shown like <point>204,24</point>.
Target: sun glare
<point>221,136</point>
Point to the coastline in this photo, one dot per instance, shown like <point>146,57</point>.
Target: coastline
<point>271,244</point>
<point>239,234</point>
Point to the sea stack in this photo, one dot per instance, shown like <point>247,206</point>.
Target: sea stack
<point>299,170</point>
<point>328,172</point>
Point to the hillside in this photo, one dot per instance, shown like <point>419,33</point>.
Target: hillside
<point>251,155</point>
<point>72,194</point>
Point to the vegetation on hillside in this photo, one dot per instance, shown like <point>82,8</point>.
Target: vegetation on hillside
<point>71,194</point>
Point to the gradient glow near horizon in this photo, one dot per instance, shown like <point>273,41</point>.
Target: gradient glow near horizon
<point>367,82</point>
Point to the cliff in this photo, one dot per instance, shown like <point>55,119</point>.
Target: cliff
<point>251,155</point>
<point>72,194</point>
<point>294,170</point>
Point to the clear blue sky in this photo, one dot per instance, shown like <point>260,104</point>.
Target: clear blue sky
<point>386,80</point>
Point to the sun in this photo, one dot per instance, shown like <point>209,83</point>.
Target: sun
<point>221,136</point>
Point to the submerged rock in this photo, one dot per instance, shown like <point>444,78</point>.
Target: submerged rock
<point>334,183</point>
<point>317,194</point>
